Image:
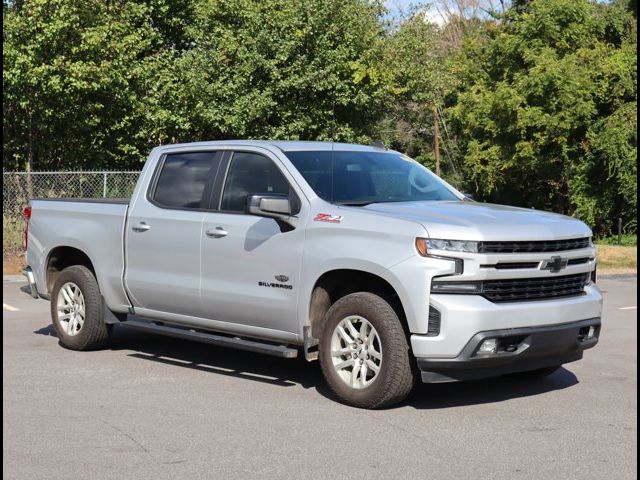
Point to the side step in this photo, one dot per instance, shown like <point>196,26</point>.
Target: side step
<point>223,341</point>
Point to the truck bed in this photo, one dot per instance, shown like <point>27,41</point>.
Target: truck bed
<point>93,226</point>
<point>115,201</point>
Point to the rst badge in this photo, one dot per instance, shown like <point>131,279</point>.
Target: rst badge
<point>327,217</point>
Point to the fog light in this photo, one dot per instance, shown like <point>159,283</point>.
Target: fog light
<point>490,345</point>
<point>592,332</point>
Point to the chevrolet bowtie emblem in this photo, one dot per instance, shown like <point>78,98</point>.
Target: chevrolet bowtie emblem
<point>554,264</point>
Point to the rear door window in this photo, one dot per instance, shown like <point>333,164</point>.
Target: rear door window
<point>185,180</point>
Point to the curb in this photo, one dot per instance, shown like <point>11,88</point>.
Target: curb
<point>619,276</point>
<point>13,278</point>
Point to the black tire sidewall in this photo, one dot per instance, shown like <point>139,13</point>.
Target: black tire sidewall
<point>94,332</point>
<point>395,350</point>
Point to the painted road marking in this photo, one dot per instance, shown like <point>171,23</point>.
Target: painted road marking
<point>10,308</point>
<point>628,308</point>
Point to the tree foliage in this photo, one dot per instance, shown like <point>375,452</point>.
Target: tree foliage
<point>272,69</point>
<point>536,103</point>
<point>72,71</point>
<point>545,110</point>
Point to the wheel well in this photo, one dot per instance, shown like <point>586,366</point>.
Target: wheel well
<point>63,257</point>
<point>333,285</point>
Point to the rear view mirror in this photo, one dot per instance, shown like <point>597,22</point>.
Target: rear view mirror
<point>270,206</point>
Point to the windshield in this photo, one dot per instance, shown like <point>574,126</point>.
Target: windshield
<point>360,178</point>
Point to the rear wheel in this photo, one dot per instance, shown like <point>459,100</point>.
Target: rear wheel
<point>364,353</point>
<point>77,310</point>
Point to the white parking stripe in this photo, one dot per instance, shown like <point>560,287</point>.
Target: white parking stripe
<point>628,308</point>
<point>10,308</point>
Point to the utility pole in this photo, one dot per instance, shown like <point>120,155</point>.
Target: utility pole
<point>436,142</point>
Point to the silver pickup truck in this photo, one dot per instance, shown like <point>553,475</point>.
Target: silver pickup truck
<point>354,255</point>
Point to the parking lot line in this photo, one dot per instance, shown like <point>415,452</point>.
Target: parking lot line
<point>10,308</point>
<point>628,308</point>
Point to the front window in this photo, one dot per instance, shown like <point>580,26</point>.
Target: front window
<point>360,178</point>
<point>251,173</point>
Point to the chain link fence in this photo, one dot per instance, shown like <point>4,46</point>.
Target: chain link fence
<point>19,187</point>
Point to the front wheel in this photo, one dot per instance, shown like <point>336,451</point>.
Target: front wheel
<point>77,310</point>
<point>364,354</point>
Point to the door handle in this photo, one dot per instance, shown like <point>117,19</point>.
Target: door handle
<point>219,232</point>
<point>141,227</point>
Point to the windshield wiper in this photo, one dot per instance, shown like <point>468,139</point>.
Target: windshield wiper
<point>357,204</point>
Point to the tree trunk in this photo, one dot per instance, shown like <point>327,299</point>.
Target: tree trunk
<point>29,165</point>
<point>436,141</point>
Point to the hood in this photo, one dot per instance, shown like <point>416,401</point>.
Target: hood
<point>461,220</point>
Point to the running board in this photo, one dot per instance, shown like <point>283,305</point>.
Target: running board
<point>233,342</point>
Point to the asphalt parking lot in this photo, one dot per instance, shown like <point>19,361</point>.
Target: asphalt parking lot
<point>154,407</point>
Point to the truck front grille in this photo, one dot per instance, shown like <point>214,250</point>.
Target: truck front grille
<point>534,246</point>
<point>522,289</point>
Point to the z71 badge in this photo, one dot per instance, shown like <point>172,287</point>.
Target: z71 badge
<point>327,217</point>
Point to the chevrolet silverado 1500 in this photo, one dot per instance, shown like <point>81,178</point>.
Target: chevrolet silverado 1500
<point>354,255</point>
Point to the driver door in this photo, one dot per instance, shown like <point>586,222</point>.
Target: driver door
<point>250,265</point>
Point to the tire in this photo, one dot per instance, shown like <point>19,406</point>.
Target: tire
<point>393,380</point>
<point>75,333</point>
<point>539,373</point>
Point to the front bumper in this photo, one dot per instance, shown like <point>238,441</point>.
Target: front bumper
<point>463,316</point>
<point>522,349</point>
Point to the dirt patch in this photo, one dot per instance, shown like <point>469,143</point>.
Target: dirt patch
<point>12,263</point>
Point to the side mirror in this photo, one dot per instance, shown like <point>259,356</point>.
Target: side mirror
<point>277,207</point>
<point>468,197</point>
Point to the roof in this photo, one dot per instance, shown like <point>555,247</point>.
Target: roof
<point>284,145</point>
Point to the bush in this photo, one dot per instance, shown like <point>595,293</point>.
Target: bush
<point>627,240</point>
<point>11,235</point>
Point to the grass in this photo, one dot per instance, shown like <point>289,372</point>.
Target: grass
<point>617,259</point>
<point>627,240</point>
<point>12,252</point>
<point>11,234</point>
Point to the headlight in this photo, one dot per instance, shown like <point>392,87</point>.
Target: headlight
<point>425,245</point>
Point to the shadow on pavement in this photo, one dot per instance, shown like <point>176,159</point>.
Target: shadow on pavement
<point>492,390</point>
<point>48,331</point>
<point>288,373</point>
<point>218,360</point>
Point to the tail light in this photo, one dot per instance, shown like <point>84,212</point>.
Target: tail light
<point>27,215</point>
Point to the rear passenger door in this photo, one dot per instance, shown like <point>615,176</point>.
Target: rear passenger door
<point>164,231</point>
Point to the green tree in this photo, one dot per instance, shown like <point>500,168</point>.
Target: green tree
<point>542,110</point>
<point>296,69</point>
<point>72,72</point>
<point>416,80</point>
